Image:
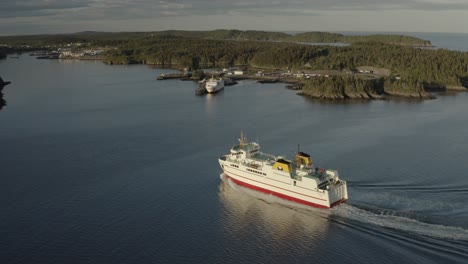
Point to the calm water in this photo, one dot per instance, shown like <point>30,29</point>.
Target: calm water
<point>104,164</point>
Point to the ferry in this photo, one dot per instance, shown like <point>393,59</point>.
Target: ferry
<point>295,180</point>
<point>214,85</point>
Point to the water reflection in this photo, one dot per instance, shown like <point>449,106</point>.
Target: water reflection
<point>211,102</point>
<point>247,211</point>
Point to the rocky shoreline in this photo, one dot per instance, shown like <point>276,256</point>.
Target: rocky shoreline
<point>2,85</point>
<point>369,96</point>
<point>296,84</point>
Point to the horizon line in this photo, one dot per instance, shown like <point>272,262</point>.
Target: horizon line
<point>278,31</point>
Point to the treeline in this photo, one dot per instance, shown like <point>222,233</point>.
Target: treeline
<point>312,37</point>
<point>86,37</point>
<point>390,39</point>
<point>411,68</point>
<point>185,52</point>
<point>343,87</point>
<point>353,87</point>
<point>112,38</point>
<point>4,51</point>
<point>422,66</point>
<point>325,37</point>
<point>414,65</point>
<point>201,53</point>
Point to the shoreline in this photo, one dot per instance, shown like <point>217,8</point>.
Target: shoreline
<point>295,84</point>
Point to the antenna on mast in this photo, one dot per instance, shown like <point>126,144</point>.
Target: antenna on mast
<point>297,157</point>
<point>242,139</point>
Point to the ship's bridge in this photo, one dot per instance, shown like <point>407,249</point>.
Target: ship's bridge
<point>246,150</point>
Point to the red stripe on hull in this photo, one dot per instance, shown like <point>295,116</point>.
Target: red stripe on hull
<point>280,195</point>
<point>338,203</point>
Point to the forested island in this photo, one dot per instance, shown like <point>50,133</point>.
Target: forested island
<point>410,69</point>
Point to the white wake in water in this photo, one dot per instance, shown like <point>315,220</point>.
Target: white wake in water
<point>384,218</point>
<point>396,221</point>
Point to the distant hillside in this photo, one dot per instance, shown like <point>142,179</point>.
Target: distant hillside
<point>313,37</point>
<point>318,37</point>
<point>110,38</point>
<point>325,37</point>
<point>224,34</point>
<point>391,39</point>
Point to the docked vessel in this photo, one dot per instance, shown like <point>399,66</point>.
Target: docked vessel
<point>214,85</point>
<point>295,180</point>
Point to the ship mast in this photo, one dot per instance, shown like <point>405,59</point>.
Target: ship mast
<point>297,156</point>
<point>242,139</point>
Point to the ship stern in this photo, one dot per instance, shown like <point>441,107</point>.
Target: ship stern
<point>338,194</point>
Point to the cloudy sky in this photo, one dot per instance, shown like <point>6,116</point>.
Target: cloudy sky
<point>67,16</point>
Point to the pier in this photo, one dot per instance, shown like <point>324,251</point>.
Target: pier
<point>174,76</point>
<point>231,79</point>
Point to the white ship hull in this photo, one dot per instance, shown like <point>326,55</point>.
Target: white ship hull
<point>285,189</point>
<point>214,85</point>
<point>297,180</point>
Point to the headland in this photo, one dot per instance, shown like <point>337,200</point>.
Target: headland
<point>368,67</point>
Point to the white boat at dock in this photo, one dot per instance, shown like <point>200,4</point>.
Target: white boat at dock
<point>214,85</point>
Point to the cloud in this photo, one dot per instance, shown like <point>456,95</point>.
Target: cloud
<point>28,8</point>
<point>127,9</point>
<point>53,14</point>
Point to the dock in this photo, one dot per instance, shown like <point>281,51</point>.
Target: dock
<point>200,91</point>
<point>229,82</point>
<point>173,76</point>
<point>268,80</point>
<point>231,79</point>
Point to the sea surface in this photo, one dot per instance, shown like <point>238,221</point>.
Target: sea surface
<point>105,164</point>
